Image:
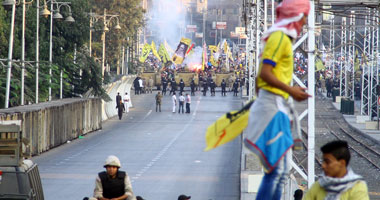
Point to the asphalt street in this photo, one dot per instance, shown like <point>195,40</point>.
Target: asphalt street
<point>162,152</point>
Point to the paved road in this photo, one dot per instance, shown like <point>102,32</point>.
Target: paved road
<point>161,152</point>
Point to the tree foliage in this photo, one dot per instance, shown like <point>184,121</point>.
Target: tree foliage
<point>81,72</point>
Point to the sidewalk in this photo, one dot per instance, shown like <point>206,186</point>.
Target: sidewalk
<point>361,123</point>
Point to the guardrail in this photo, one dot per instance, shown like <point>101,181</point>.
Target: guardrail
<point>50,124</point>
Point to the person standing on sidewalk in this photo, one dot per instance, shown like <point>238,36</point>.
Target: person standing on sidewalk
<point>174,101</point>
<point>181,103</point>
<point>158,101</point>
<point>268,131</point>
<point>338,180</point>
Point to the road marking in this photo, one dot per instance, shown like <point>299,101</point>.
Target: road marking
<point>150,111</point>
<point>196,107</point>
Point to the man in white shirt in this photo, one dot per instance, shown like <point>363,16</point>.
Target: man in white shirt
<point>181,103</point>
<point>141,85</point>
<point>188,101</point>
<point>126,102</point>
<point>174,100</point>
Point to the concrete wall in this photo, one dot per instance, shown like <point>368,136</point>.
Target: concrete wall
<point>122,86</point>
<point>50,124</point>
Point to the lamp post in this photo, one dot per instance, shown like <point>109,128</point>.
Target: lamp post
<point>24,2</point>
<point>107,18</point>
<point>10,49</point>
<point>57,15</point>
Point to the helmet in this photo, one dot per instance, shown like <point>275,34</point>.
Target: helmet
<point>112,161</point>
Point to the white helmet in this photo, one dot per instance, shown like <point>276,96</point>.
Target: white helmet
<point>112,161</point>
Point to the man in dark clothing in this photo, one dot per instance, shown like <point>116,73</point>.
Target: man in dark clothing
<point>192,86</point>
<point>113,183</point>
<point>236,86</point>
<point>136,85</point>
<point>223,85</point>
<point>212,87</point>
<point>173,84</point>
<point>164,86</point>
<point>205,87</point>
<point>118,99</point>
<point>181,86</point>
<point>120,109</point>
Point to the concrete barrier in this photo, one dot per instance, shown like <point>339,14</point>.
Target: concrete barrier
<point>122,86</point>
<point>50,124</point>
<point>361,119</point>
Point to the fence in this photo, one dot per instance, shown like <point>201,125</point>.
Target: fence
<point>50,124</point>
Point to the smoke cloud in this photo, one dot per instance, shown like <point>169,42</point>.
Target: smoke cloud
<point>167,19</point>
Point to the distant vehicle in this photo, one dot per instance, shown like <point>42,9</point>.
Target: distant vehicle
<point>19,178</point>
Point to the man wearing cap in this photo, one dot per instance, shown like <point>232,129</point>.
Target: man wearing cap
<point>113,183</point>
<point>183,197</point>
<point>268,131</point>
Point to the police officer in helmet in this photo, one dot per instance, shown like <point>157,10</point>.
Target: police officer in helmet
<point>113,183</point>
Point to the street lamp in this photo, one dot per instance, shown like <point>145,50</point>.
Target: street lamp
<point>107,18</point>
<point>55,15</point>
<point>8,3</point>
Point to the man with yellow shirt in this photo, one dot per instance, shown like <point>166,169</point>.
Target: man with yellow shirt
<point>338,180</point>
<point>268,134</point>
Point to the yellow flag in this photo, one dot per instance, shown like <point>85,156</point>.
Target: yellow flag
<point>319,65</point>
<point>213,48</point>
<point>225,47</point>
<point>180,53</point>
<point>212,60</point>
<point>154,50</point>
<point>145,52</point>
<point>227,127</point>
<point>163,54</point>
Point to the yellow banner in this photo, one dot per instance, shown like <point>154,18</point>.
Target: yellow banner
<point>212,60</point>
<point>145,53</point>
<point>180,53</point>
<point>319,65</point>
<point>227,127</point>
<point>154,50</point>
<point>163,54</point>
<point>213,48</point>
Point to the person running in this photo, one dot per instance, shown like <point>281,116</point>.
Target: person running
<point>338,180</point>
<point>268,134</point>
